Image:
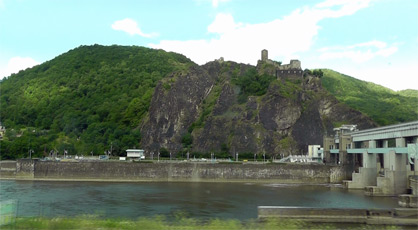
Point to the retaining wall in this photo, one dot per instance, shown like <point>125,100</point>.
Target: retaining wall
<point>184,171</point>
<point>7,169</point>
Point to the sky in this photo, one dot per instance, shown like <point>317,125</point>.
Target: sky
<point>371,40</point>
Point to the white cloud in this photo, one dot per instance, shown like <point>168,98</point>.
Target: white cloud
<point>284,38</point>
<point>395,76</point>
<point>131,27</point>
<point>358,53</point>
<point>223,23</point>
<point>215,3</point>
<point>16,64</point>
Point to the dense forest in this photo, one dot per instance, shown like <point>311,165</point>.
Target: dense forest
<point>94,98</point>
<point>87,100</point>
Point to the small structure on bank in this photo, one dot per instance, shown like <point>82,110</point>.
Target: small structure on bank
<point>135,154</point>
<point>315,153</point>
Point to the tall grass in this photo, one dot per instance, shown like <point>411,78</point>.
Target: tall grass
<point>180,222</point>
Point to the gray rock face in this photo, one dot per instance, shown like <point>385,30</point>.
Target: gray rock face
<point>308,129</point>
<point>226,99</point>
<point>174,109</point>
<point>285,120</point>
<point>278,113</point>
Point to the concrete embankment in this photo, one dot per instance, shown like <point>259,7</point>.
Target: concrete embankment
<point>181,171</point>
<point>396,216</point>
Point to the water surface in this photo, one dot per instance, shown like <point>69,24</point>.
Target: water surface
<point>198,200</point>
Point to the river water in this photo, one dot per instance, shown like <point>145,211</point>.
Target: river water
<point>198,200</point>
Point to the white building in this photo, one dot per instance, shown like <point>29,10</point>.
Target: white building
<point>135,154</point>
<point>314,152</point>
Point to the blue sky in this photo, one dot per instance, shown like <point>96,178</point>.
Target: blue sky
<point>372,40</point>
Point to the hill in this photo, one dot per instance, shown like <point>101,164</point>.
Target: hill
<point>83,100</point>
<point>383,105</point>
<point>409,93</point>
<point>99,98</point>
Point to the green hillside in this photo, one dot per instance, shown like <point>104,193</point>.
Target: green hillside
<point>383,105</point>
<point>409,93</point>
<point>94,98</point>
<point>83,100</point>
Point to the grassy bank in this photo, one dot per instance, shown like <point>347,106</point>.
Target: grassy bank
<point>160,222</point>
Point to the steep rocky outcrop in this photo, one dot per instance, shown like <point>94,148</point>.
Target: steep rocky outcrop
<point>203,102</point>
<point>174,107</point>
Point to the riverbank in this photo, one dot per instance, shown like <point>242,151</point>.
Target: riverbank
<point>180,222</point>
<point>28,169</point>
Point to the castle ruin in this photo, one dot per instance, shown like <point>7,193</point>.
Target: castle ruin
<point>293,69</point>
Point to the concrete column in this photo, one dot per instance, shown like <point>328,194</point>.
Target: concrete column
<point>372,144</point>
<point>400,162</point>
<point>369,160</point>
<point>385,143</point>
<point>395,179</point>
<point>415,160</point>
<point>396,162</point>
<point>400,142</point>
<point>387,161</point>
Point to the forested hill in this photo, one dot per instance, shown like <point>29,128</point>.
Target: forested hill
<point>97,94</point>
<point>94,98</point>
<point>383,105</point>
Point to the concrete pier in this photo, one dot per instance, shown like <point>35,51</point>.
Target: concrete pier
<point>397,216</point>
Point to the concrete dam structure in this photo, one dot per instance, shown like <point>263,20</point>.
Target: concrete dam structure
<point>384,158</point>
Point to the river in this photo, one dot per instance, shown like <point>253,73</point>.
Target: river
<point>198,200</point>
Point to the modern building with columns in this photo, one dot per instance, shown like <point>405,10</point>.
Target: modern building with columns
<point>382,158</point>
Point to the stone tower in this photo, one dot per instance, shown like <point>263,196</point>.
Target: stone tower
<point>264,55</point>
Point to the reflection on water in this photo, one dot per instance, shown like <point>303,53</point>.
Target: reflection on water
<point>199,200</point>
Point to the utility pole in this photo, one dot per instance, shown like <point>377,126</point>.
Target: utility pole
<point>111,147</point>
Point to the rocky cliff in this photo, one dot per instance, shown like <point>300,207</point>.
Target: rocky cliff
<point>201,110</point>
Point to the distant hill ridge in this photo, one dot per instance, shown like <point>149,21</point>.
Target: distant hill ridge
<point>383,105</point>
<point>94,98</point>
